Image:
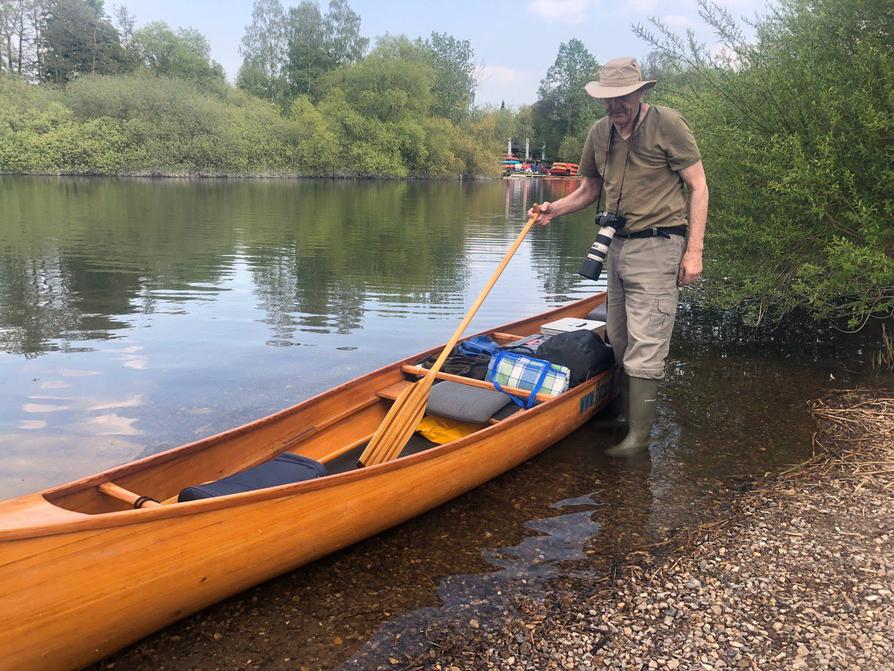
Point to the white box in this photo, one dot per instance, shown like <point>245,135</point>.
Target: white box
<point>568,324</point>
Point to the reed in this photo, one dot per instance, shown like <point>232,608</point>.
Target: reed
<point>884,357</point>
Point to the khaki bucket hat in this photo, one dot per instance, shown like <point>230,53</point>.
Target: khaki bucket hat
<point>617,78</point>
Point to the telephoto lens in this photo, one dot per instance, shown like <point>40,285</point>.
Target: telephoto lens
<point>591,266</point>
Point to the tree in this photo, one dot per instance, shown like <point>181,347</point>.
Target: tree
<point>21,42</point>
<point>393,83</point>
<point>184,53</point>
<point>523,128</point>
<point>453,63</point>
<point>379,107</point>
<point>77,40</point>
<point>309,59</point>
<point>35,15</point>
<point>265,51</point>
<point>14,36</point>
<point>564,108</point>
<point>319,152</point>
<point>125,22</point>
<point>343,40</point>
<point>319,44</point>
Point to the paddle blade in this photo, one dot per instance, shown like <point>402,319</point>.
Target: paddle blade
<point>399,424</point>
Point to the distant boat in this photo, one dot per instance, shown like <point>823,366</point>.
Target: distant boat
<point>510,164</point>
<point>559,169</point>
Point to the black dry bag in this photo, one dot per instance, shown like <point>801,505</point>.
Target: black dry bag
<point>582,352</point>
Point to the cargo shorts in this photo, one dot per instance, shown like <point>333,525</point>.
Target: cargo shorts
<point>642,301</point>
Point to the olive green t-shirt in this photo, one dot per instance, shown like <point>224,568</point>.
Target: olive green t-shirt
<point>660,147</point>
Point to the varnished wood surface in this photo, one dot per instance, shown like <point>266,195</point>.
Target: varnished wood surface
<point>83,578</point>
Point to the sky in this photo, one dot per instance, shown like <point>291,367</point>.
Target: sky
<point>515,42</point>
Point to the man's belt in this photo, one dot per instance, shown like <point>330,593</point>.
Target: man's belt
<point>655,232</point>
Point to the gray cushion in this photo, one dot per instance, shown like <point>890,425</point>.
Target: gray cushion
<point>464,403</point>
<point>599,313</point>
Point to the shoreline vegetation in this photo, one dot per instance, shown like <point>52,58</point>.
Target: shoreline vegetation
<point>258,176</point>
<point>794,123</point>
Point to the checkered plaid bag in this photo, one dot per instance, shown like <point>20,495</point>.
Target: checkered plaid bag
<point>510,369</point>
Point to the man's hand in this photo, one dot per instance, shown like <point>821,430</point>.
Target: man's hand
<point>690,268</point>
<point>546,214</point>
<point>691,265</point>
<point>586,194</point>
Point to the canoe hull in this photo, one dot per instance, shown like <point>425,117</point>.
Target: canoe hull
<point>70,598</point>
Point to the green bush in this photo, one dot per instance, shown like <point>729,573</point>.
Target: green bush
<point>795,131</point>
<point>141,123</point>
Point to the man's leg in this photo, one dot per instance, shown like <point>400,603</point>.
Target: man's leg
<point>616,319</point>
<point>648,270</point>
<point>616,324</point>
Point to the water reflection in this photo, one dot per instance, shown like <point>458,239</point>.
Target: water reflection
<point>217,302</point>
<point>78,256</point>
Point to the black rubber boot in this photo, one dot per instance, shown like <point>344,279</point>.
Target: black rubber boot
<point>641,411</point>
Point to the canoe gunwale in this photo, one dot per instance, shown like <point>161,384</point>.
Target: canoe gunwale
<point>99,521</point>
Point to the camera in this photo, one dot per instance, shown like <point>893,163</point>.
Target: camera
<point>608,223</point>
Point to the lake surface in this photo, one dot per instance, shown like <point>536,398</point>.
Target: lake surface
<point>136,315</point>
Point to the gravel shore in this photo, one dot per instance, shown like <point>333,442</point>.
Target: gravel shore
<point>799,575</point>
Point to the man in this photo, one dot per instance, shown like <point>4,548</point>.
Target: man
<point>640,156</point>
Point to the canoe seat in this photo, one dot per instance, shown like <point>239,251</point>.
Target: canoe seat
<point>391,392</point>
<point>283,470</point>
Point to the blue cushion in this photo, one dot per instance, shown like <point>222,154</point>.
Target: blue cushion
<point>285,469</point>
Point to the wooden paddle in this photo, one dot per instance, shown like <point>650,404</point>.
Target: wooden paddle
<point>408,408</point>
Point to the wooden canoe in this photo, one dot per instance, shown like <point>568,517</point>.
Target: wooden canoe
<point>83,573</point>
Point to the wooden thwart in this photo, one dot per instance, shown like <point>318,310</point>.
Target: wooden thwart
<point>391,392</point>
<point>472,382</point>
<point>118,492</point>
<point>408,408</point>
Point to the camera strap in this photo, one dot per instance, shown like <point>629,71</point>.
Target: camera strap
<point>611,137</point>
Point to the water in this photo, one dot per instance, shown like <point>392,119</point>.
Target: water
<point>136,315</point>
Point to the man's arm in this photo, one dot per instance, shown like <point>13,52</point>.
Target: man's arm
<point>586,194</point>
<point>697,183</point>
